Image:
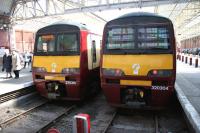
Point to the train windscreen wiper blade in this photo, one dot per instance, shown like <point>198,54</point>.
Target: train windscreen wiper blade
<point>156,48</point>
<point>121,50</point>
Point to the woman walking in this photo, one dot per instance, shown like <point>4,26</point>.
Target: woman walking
<point>7,63</point>
<point>16,64</point>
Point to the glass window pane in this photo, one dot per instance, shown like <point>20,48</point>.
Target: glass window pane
<point>147,38</point>
<point>156,37</point>
<point>121,38</point>
<point>67,42</point>
<point>46,43</point>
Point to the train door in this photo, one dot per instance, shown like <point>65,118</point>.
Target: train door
<point>93,44</point>
<point>94,54</point>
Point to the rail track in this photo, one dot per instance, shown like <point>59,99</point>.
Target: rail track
<point>52,122</point>
<point>15,94</point>
<point>112,127</point>
<point>36,119</point>
<point>104,119</point>
<point>156,124</point>
<point>110,122</point>
<point>143,122</point>
<point>12,119</point>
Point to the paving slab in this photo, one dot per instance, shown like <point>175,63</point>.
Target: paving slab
<point>188,92</point>
<point>12,84</point>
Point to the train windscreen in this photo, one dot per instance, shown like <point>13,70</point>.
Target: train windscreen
<point>138,39</point>
<point>55,44</point>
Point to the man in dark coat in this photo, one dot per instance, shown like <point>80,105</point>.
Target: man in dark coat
<point>7,63</point>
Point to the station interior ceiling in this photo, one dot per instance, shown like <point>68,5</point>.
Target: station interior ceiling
<point>34,14</point>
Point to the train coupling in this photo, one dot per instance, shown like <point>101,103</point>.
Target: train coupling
<point>55,90</point>
<point>133,95</point>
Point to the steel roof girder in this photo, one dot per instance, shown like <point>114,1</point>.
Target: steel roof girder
<point>133,4</point>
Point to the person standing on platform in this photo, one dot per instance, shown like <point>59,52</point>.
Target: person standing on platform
<point>30,60</point>
<point>7,63</point>
<point>26,59</point>
<point>16,63</point>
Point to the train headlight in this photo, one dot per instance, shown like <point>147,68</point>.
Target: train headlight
<point>39,69</point>
<point>160,73</point>
<point>70,70</point>
<point>112,72</point>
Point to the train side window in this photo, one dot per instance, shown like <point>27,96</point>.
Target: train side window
<point>94,58</point>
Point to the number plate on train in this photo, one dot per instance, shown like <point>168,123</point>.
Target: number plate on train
<point>164,88</point>
<point>70,82</point>
<point>54,78</point>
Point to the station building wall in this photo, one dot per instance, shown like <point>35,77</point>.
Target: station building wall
<point>24,40</point>
<point>4,39</point>
<point>193,42</point>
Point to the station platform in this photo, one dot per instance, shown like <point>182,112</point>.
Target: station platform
<point>9,85</point>
<point>188,92</point>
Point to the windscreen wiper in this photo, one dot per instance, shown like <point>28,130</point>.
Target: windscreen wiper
<point>156,48</point>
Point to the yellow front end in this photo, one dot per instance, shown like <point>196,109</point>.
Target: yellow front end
<point>55,64</point>
<point>141,64</point>
<point>135,78</point>
<point>50,79</point>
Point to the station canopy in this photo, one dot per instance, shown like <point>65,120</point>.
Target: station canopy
<point>34,14</point>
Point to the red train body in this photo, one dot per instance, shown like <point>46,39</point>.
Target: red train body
<point>138,61</point>
<point>66,61</point>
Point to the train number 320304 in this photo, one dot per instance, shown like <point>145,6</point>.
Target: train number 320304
<point>159,88</point>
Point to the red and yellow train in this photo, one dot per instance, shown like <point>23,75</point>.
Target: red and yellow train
<point>138,61</point>
<point>66,61</point>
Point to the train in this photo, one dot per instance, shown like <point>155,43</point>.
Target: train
<point>66,61</point>
<point>138,61</point>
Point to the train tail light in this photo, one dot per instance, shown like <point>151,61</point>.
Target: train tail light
<point>39,69</point>
<point>70,70</point>
<point>112,72</point>
<point>160,73</point>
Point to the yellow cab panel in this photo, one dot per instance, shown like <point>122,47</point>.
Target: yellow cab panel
<point>56,63</point>
<point>138,65</point>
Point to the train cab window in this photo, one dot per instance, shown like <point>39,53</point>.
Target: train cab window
<point>121,38</point>
<point>67,43</point>
<point>94,58</point>
<point>138,39</point>
<point>46,43</point>
<point>153,38</point>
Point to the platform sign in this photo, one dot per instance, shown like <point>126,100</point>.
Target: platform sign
<point>81,123</point>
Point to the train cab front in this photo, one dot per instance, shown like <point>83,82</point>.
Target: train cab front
<point>63,86</point>
<point>138,65</point>
<point>56,62</point>
<point>153,91</point>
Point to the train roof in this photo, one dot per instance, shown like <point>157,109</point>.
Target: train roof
<point>79,25</point>
<point>141,14</point>
<point>73,24</point>
<point>139,18</point>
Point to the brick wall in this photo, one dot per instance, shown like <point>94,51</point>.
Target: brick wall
<point>4,39</point>
<point>24,40</point>
<point>191,43</point>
